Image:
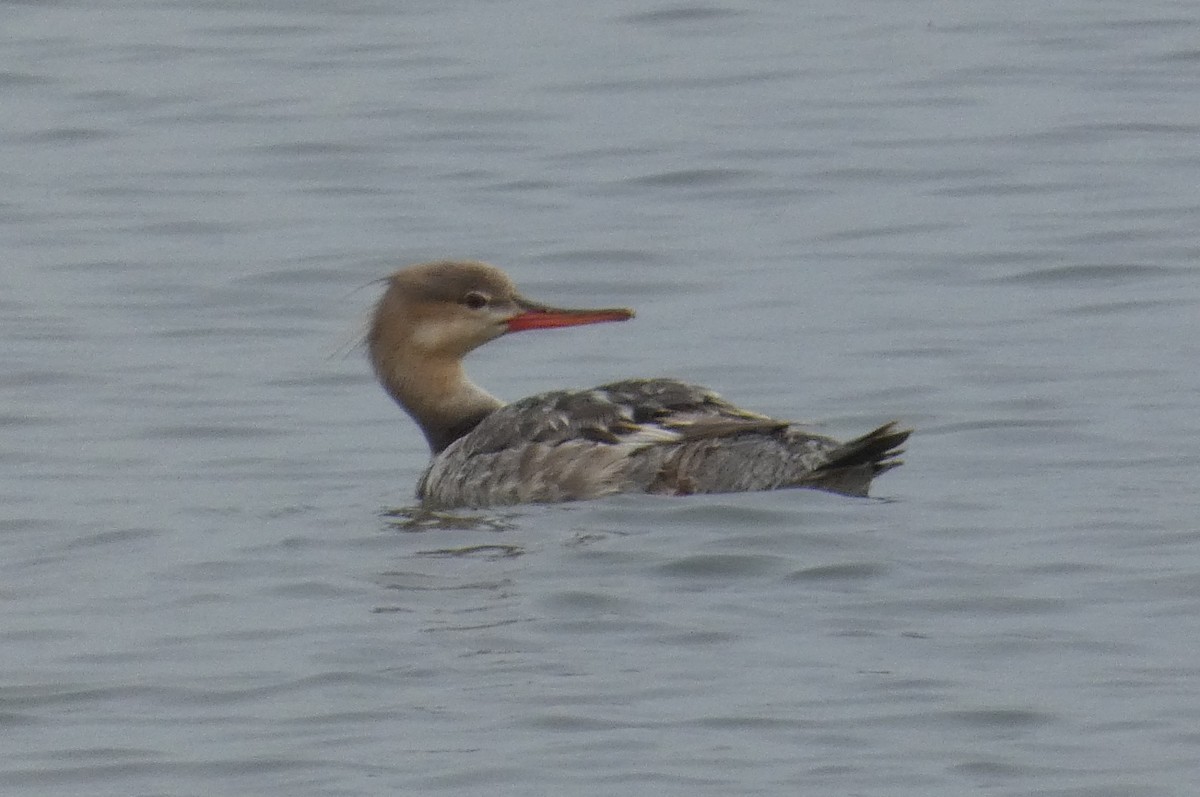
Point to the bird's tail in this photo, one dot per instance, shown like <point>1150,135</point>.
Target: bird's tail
<point>852,465</point>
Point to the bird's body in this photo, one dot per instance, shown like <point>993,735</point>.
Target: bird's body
<point>658,436</point>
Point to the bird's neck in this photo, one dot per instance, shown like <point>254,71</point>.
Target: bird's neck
<point>438,395</point>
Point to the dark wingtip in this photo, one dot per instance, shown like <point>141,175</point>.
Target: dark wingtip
<point>876,448</point>
<point>853,465</point>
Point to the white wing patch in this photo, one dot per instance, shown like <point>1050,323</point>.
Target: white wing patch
<point>649,435</point>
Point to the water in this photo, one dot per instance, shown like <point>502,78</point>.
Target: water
<point>979,220</point>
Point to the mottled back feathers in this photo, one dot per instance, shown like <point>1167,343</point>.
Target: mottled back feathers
<point>648,435</point>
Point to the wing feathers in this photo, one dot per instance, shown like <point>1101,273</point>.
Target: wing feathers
<point>655,435</point>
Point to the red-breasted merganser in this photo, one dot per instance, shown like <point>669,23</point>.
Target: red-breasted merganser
<point>657,436</point>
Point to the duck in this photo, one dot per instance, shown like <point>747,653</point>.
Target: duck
<point>657,436</point>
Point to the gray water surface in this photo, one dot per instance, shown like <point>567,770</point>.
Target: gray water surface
<point>978,219</point>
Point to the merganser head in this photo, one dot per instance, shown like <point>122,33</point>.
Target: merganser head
<point>433,314</point>
<point>448,308</point>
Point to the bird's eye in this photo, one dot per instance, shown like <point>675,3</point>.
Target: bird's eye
<point>475,300</point>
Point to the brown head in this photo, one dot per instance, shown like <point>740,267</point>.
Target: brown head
<point>433,314</point>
